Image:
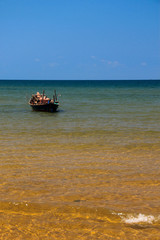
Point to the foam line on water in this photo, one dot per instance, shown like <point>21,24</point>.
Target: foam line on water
<point>139,218</point>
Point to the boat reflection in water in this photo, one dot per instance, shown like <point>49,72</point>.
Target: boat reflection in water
<point>40,102</point>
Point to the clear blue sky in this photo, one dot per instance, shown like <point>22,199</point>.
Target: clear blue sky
<point>79,39</point>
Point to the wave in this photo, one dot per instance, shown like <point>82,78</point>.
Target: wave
<point>139,218</point>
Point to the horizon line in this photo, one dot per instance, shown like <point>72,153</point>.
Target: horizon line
<point>150,79</point>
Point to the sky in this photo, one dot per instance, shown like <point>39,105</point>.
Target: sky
<point>79,39</point>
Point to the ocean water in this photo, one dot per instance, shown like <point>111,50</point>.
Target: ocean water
<point>90,170</point>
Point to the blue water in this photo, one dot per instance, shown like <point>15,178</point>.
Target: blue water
<point>120,103</point>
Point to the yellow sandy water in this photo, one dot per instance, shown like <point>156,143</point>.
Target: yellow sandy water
<point>79,191</point>
<point>90,171</point>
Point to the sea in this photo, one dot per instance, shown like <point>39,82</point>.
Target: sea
<point>89,171</point>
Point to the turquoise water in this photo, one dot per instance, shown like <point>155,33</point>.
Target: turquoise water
<point>96,158</point>
<point>105,110</point>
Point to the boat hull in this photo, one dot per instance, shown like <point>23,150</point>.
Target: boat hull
<point>51,107</point>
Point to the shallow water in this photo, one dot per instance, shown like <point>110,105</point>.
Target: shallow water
<point>89,171</point>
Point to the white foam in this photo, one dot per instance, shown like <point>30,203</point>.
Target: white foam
<point>119,214</point>
<point>140,218</point>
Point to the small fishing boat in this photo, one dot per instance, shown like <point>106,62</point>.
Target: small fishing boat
<point>40,102</point>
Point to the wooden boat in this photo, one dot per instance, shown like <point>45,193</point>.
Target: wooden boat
<point>40,102</point>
